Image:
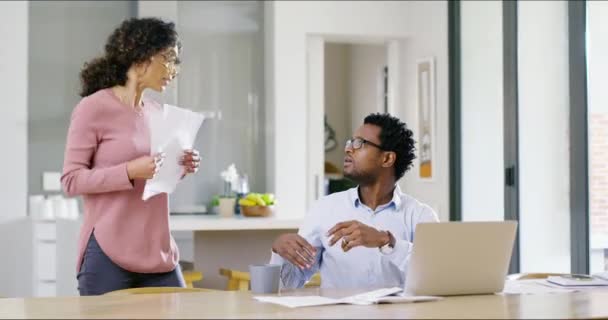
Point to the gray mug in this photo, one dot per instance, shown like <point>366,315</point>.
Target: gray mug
<point>265,278</point>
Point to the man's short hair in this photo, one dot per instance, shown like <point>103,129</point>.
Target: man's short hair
<point>395,137</point>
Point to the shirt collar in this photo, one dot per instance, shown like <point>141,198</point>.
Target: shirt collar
<point>396,200</point>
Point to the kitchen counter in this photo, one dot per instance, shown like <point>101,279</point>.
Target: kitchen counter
<point>217,223</point>
<point>229,242</point>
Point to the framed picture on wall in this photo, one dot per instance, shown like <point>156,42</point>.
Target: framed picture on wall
<point>425,93</point>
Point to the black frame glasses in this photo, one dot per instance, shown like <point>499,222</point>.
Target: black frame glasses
<point>357,143</point>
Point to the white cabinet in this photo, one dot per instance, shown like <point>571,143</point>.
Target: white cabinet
<point>40,258</point>
<point>54,257</point>
<point>45,260</point>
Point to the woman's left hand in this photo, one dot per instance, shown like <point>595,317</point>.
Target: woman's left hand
<point>190,160</point>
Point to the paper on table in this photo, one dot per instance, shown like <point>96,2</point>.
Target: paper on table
<point>601,275</point>
<point>532,286</point>
<point>567,282</point>
<point>172,130</point>
<point>406,299</point>
<point>299,301</point>
<point>376,296</point>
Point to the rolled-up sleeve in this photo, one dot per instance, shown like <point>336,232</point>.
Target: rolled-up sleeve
<point>291,275</point>
<point>82,141</point>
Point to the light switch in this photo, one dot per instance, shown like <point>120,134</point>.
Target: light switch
<point>51,181</point>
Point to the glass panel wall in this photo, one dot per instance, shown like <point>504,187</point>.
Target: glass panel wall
<point>482,111</point>
<point>543,89</point>
<point>597,104</point>
<point>223,72</point>
<point>62,36</point>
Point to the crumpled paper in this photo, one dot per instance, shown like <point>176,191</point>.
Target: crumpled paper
<point>172,130</point>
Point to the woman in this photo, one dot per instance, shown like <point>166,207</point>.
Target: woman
<point>124,242</point>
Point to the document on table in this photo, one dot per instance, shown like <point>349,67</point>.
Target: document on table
<point>532,286</point>
<point>541,286</point>
<point>172,130</point>
<point>584,282</point>
<point>385,295</point>
<point>601,275</point>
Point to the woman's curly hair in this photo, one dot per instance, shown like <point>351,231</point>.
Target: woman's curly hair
<point>134,41</point>
<point>396,137</point>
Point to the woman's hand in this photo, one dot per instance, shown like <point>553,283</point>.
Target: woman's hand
<point>190,160</point>
<point>145,167</point>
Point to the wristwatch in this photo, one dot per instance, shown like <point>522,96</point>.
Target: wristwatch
<point>389,247</point>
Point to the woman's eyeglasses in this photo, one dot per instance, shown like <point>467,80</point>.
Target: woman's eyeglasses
<point>171,63</point>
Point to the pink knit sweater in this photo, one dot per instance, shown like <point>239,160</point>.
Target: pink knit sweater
<point>104,135</point>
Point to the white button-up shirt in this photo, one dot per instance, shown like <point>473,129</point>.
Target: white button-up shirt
<point>360,267</point>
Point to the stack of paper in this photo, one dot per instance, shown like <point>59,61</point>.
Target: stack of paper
<point>172,130</point>
<point>577,282</point>
<point>602,275</point>
<point>532,286</point>
<point>385,295</point>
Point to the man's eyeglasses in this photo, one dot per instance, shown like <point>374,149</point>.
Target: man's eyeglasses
<point>357,143</point>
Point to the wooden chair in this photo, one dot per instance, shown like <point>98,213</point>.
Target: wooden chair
<point>239,280</point>
<point>315,281</point>
<point>155,290</point>
<point>528,276</point>
<point>192,276</point>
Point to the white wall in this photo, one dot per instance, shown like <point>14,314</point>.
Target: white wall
<point>482,110</point>
<point>168,11</point>
<point>337,98</point>
<point>424,26</point>
<point>428,22</point>
<point>366,64</point>
<point>543,136</point>
<point>13,113</point>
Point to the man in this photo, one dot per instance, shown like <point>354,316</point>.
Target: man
<point>362,237</point>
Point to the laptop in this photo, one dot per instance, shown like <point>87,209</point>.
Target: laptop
<point>460,258</point>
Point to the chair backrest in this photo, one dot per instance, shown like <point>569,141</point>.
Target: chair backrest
<point>315,281</point>
<point>155,290</point>
<point>192,276</point>
<point>237,280</point>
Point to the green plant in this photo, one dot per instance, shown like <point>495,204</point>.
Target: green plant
<point>215,201</point>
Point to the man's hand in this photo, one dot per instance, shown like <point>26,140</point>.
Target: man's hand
<point>295,249</point>
<point>354,233</point>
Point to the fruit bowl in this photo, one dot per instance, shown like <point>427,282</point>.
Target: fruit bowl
<point>257,211</point>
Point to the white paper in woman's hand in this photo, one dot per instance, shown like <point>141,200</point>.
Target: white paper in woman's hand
<point>172,130</point>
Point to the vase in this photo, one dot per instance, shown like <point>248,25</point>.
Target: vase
<point>226,207</point>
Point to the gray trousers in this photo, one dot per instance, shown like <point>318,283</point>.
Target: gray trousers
<point>98,274</point>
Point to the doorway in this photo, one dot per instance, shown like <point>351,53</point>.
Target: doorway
<point>347,80</point>
<point>356,82</point>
